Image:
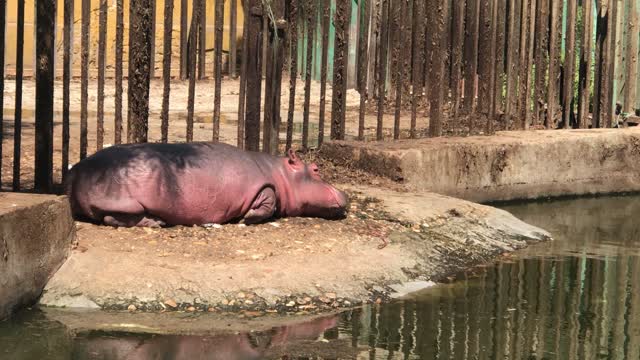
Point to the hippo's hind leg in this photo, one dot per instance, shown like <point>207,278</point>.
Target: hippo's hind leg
<point>262,208</point>
<point>131,220</point>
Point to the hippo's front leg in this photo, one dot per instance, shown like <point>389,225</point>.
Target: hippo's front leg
<point>262,208</point>
<point>131,220</point>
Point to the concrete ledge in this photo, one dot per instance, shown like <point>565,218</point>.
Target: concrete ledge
<point>36,233</point>
<point>507,166</point>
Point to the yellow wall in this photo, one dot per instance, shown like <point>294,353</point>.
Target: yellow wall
<point>29,32</point>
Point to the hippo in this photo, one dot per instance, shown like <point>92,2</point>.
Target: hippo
<point>162,185</point>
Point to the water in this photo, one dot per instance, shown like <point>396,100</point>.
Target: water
<point>575,298</point>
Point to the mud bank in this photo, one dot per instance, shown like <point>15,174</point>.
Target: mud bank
<point>508,166</point>
<point>389,244</point>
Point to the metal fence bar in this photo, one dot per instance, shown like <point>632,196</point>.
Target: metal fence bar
<point>418,36</point>
<point>66,78</point>
<point>275,59</point>
<point>569,62</point>
<point>363,60</point>
<point>139,59</point>
<point>398,38</point>
<point>484,61</point>
<point>471,37</point>
<point>292,36</point>
<point>243,77</point>
<point>184,56</point>
<point>219,15</point>
<point>541,60</point>
<point>311,15</point>
<point>457,43</point>
<point>202,39</point>
<point>326,18</point>
<point>554,63</point>
<point>340,63</point>
<point>253,75</point>
<point>45,36</point>
<point>17,127</point>
<point>84,74</point>
<point>3,27</point>
<point>513,60</point>
<point>526,34</point>
<point>119,70</point>
<point>439,37</point>
<point>584,84</point>
<point>383,35</point>
<point>631,71</point>
<point>191,70</point>
<point>152,45</point>
<point>527,84</point>
<point>233,38</point>
<point>102,49</point>
<point>609,109</point>
<point>166,69</point>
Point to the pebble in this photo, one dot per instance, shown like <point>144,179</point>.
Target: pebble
<point>331,296</point>
<point>274,224</point>
<point>171,303</point>
<point>191,309</point>
<point>248,302</point>
<point>241,295</point>
<point>225,302</point>
<point>291,304</point>
<point>132,308</point>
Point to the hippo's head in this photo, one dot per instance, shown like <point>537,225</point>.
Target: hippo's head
<point>308,194</point>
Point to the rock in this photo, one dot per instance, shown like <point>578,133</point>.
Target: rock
<point>171,303</point>
<point>132,308</point>
<point>191,309</point>
<point>331,296</point>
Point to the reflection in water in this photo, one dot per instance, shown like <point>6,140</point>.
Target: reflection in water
<point>575,298</point>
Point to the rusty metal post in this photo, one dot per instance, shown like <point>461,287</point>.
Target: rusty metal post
<point>253,75</point>
<point>292,36</point>
<point>84,76</point>
<point>166,69</point>
<point>17,122</point>
<point>340,63</point>
<point>3,28</point>
<point>326,18</point>
<point>139,65</point>
<point>45,37</point>
<point>363,61</point>
<point>274,60</point>
<point>218,68</point>
<point>310,12</point>
<point>243,75</point>
<point>119,70</point>
<point>233,38</point>
<point>102,50</point>
<point>584,84</point>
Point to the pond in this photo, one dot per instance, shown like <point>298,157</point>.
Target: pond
<point>577,297</point>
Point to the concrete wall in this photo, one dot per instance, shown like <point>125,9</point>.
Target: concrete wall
<point>507,166</point>
<point>36,234</point>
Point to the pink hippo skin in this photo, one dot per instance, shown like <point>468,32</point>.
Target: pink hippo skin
<point>194,184</point>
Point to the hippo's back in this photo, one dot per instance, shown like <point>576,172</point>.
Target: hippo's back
<point>184,181</point>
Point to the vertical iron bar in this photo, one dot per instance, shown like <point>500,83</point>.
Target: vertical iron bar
<point>218,68</point>
<point>457,60</point>
<point>584,84</point>
<point>202,39</point>
<point>382,66</point>
<point>363,61</point>
<point>45,54</point>
<point>66,78</point>
<point>340,63</point>
<point>471,35</point>
<point>292,36</point>
<point>399,26</point>
<point>17,127</point>
<point>254,75</point>
<point>233,38</point>
<point>166,69</point>
<point>569,62</point>
<point>273,80</point>
<point>84,75</point>
<point>139,63</point>
<point>541,60</point>
<point>193,58</point>
<point>184,56</point>
<point>310,22</point>
<point>326,18</point>
<point>3,28</point>
<point>554,63</point>
<point>243,75</point>
<point>440,10</point>
<point>418,61</point>
<point>119,70</point>
<point>102,50</point>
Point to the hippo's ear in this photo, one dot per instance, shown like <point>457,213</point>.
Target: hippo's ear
<point>294,160</point>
